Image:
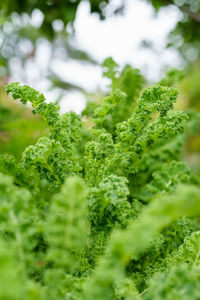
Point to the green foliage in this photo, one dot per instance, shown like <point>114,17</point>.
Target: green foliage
<point>67,226</point>
<point>172,76</point>
<point>181,273</point>
<point>126,87</point>
<point>129,244</point>
<point>105,212</point>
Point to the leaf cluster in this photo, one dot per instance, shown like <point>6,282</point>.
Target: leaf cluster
<point>105,212</point>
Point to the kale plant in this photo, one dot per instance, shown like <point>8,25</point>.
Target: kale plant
<point>106,211</point>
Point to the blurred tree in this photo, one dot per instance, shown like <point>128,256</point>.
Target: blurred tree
<point>25,23</point>
<point>52,10</point>
<point>186,35</point>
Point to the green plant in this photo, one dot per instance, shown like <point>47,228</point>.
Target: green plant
<point>106,212</point>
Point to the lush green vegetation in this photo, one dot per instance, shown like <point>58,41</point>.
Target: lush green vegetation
<point>102,206</point>
<point>105,205</point>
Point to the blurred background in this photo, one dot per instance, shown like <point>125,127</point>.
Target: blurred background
<point>58,46</point>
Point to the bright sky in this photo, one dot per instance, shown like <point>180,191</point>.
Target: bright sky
<point>119,37</point>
